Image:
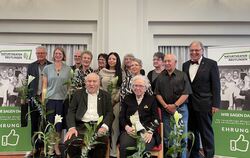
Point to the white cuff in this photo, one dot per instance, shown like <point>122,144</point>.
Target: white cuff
<point>105,126</point>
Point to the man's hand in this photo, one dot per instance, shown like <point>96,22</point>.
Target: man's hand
<point>170,108</point>
<point>102,131</point>
<point>130,130</point>
<point>214,110</point>
<point>72,131</point>
<point>147,137</point>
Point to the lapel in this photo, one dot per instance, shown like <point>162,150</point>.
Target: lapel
<point>187,70</point>
<point>143,103</point>
<point>99,103</point>
<point>36,69</point>
<point>201,67</point>
<point>84,101</point>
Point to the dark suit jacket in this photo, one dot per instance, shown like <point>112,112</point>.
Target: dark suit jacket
<point>205,86</point>
<point>33,87</point>
<point>147,112</point>
<point>33,70</point>
<point>78,107</point>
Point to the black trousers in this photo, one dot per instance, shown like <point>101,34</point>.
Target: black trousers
<point>128,141</point>
<point>200,122</point>
<point>36,123</point>
<point>74,145</point>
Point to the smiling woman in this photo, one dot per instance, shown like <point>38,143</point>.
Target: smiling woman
<point>54,89</point>
<point>110,75</point>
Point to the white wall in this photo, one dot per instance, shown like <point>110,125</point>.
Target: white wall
<point>125,26</point>
<point>49,9</point>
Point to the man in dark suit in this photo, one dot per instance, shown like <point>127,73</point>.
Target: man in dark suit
<point>203,74</point>
<point>35,69</point>
<point>86,107</point>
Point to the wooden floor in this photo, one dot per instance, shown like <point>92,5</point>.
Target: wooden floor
<point>12,155</point>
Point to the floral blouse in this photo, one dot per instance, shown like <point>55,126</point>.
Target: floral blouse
<point>79,77</point>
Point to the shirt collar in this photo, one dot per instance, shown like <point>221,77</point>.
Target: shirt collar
<point>45,63</point>
<point>199,61</point>
<point>173,73</point>
<point>93,93</point>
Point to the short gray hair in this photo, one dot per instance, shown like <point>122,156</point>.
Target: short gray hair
<point>42,47</point>
<point>143,78</point>
<point>198,42</point>
<point>138,61</point>
<point>92,74</point>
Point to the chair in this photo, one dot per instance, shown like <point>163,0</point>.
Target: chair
<point>108,149</point>
<point>157,150</point>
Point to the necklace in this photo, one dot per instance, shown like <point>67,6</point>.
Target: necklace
<point>58,68</point>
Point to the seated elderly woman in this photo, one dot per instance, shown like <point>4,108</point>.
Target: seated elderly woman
<point>143,107</point>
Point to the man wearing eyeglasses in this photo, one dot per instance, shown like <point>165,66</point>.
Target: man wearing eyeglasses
<point>35,91</point>
<point>203,75</point>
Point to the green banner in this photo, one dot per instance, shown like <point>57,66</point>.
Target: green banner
<point>232,133</point>
<point>13,72</point>
<point>13,137</point>
<point>232,123</point>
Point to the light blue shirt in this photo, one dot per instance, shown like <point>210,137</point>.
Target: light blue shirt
<point>57,87</point>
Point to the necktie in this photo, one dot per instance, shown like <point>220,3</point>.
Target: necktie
<point>194,62</point>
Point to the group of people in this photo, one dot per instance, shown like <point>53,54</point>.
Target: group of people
<point>118,91</point>
<point>235,89</point>
<point>11,79</point>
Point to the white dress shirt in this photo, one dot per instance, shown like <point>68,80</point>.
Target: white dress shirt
<point>193,68</point>
<point>91,113</point>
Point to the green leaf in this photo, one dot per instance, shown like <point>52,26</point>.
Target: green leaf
<point>131,148</point>
<point>99,120</point>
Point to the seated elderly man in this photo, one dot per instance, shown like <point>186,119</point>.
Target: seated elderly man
<point>86,107</point>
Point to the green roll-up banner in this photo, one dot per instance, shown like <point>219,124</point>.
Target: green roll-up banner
<point>13,69</point>
<point>232,123</point>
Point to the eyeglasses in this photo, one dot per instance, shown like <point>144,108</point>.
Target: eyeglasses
<point>157,59</point>
<point>195,50</point>
<point>135,65</point>
<point>138,86</point>
<point>77,56</point>
<point>40,53</point>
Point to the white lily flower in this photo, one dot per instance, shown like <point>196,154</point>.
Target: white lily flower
<point>58,119</point>
<point>30,79</point>
<point>177,117</point>
<point>133,119</point>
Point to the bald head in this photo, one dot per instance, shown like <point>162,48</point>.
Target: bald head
<point>170,62</point>
<point>77,57</point>
<point>92,82</point>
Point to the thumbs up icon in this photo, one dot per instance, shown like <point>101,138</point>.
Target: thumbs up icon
<point>11,139</point>
<point>240,144</point>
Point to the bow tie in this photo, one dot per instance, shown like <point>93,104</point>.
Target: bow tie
<point>194,62</point>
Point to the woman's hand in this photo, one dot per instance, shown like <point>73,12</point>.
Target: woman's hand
<point>130,130</point>
<point>147,137</point>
